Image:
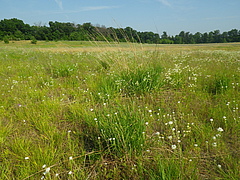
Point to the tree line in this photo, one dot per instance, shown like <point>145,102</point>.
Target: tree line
<point>15,29</point>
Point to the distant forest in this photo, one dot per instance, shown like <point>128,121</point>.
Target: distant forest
<point>15,29</point>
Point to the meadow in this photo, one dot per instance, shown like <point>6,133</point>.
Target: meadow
<point>97,110</point>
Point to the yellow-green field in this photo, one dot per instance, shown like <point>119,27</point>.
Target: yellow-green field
<point>97,110</point>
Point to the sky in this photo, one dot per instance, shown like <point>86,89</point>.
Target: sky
<point>172,16</point>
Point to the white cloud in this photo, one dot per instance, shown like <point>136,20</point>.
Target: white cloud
<point>165,2</point>
<point>82,9</point>
<point>59,3</point>
<point>93,8</point>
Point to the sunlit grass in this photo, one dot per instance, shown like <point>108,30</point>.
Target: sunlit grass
<point>75,110</point>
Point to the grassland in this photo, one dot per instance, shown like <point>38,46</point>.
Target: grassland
<point>86,110</point>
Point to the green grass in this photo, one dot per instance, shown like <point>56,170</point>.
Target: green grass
<point>100,110</point>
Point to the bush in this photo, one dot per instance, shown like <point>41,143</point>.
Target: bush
<point>6,40</point>
<point>33,40</point>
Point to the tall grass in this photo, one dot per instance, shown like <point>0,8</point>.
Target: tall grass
<point>132,113</point>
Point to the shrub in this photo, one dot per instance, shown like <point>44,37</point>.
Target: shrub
<point>6,40</point>
<point>33,40</point>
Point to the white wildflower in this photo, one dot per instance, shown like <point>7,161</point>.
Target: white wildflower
<point>174,146</point>
<point>214,144</point>
<point>220,129</point>
<point>47,170</point>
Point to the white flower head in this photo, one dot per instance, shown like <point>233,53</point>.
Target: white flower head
<point>26,158</point>
<point>174,146</point>
<point>70,158</point>
<point>47,170</point>
<point>214,144</point>
<point>220,129</point>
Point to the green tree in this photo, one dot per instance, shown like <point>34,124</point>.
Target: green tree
<point>198,37</point>
<point>233,35</point>
<point>205,38</point>
<point>216,36</point>
<point>19,35</point>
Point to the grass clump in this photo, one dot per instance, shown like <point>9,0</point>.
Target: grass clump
<point>141,80</point>
<point>121,131</point>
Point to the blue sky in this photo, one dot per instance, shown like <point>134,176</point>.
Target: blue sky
<point>171,16</point>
